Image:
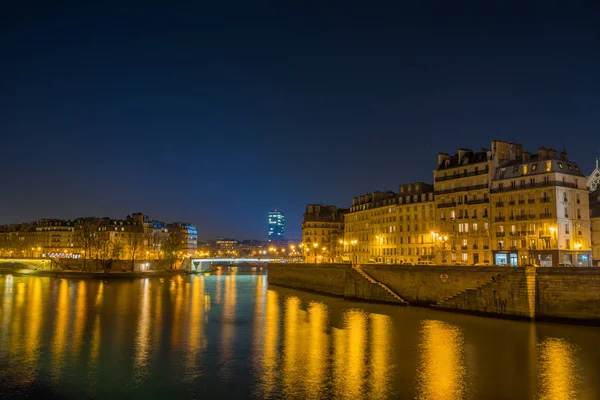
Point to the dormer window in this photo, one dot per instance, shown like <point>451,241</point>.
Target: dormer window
<point>560,165</point>
<point>570,168</point>
<point>515,168</point>
<point>465,160</point>
<point>533,167</point>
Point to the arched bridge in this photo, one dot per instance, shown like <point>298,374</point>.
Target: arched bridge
<point>46,264</point>
<point>203,264</point>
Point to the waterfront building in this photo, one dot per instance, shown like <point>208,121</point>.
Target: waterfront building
<point>358,231</point>
<point>137,237</point>
<point>462,198</point>
<point>186,237</point>
<point>417,238</point>
<point>540,207</point>
<point>276,226</point>
<point>593,184</point>
<point>323,233</point>
<point>389,227</point>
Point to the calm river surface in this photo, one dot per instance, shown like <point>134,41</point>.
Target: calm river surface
<point>233,336</point>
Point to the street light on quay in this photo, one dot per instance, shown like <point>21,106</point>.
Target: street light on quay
<point>315,245</point>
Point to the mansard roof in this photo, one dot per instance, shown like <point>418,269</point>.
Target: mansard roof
<point>470,157</point>
<point>536,166</point>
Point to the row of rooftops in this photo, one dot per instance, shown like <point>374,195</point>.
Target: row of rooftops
<point>134,220</point>
<point>510,161</point>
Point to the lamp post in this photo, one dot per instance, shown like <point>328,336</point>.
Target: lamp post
<point>315,245</point>
<point>380,240</point>
<point>353,243</point>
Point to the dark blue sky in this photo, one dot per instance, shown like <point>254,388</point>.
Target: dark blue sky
<point>216,115</point>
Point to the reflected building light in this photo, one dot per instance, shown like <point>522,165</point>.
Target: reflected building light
<point>95,343</point>
<point>196,335</point>
<point>7,308</point>
<point>60,329</point>
<point>142,337</point>
<point>18,320</point>
<point>355,323</point>
<point>291,364</point>
<point>34,321</point>
<point>80,315</point>
<point>339,362</point>
<point>559,374</point>
<point>270,354</point>
<point>177,296</point>
<point>158,313</point>
<point>99,294</point>
<point>441,372</point>
<point>379,379</point>
<point>318,350</point>
<point>228,328</point>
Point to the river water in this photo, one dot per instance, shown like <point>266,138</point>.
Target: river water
<point>233,336</point>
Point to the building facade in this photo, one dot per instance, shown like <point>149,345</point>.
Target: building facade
<point>389,227</point>
<point>323,233</point>
<point>540,207</point>
<point>276,226</point>
<point>501,206</point>
<point>137,237</point>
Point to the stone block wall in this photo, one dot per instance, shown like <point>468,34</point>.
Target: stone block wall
<point>358,287</point>
<point>512,293</point>
<point>536,293</point>
<point>324,278</point>
<point>570,293</point>
<point>423,285</point>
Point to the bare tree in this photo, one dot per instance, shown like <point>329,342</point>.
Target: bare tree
<point>135,243</point>
<point>171,247</point>
<point>107,250</point>
<point>86,237</point>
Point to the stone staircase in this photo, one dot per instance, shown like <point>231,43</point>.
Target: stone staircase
<point>389,293</point>
<point>448,302</point>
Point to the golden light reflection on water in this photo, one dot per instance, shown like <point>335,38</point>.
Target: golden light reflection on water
<point>34,320</point>
<point>197,338</point>
<point>7,307</point>
<point>318,349</point>
<point>291,363</point>
<point>441,372</point>
<point>355,323</point>
<point>60,328</point>
<point>80,316</point>
<point>228,326</point>
<point>558,370</point>
<point>270,356</point>
<point>142,337</point>
<point>380,348</point>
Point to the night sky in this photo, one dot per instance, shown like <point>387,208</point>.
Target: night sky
<point>216,115</point>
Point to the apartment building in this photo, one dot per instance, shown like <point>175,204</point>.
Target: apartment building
<point>541,211</point>
<point>323,233</point>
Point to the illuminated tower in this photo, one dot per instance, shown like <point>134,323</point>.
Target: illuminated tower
<point>276,225</point>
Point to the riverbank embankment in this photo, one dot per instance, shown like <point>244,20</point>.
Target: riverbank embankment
<point>556,294</point>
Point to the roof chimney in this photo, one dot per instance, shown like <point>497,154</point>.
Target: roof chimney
<point>461,154</point>
<point>441,158</point>
<point>525,156</point>
<point>543,153</point>
<point>564,155</point>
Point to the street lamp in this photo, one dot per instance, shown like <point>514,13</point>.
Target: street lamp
<point>315,245</point>
<point>380,240</point>
<point>353,243</point>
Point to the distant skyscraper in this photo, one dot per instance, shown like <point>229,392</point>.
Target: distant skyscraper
<point>276,225</point>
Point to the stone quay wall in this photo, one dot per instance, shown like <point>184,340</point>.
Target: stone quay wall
<point>561,294</point>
